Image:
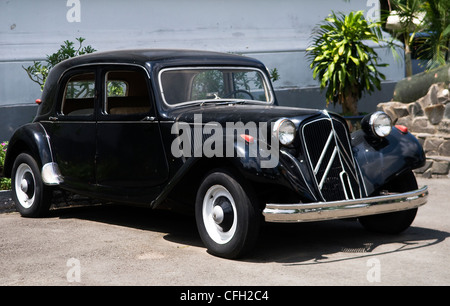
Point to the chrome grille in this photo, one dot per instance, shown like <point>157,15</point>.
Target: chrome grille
<point>330,157</point>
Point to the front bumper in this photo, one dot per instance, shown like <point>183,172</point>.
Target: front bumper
<point>304,212</point>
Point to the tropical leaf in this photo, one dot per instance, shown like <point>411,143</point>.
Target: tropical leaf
<point>341,60</point>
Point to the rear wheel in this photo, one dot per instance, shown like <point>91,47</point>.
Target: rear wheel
<point>227,217</point>
<point>31,196</point>
<point>396,222</point>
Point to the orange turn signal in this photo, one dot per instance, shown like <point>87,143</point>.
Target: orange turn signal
<point>247,138</point>
<point>402,128</point>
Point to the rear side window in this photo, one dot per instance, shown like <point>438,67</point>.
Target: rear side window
<point>116,88</point>
<point>126,93</point>
<point>79,94</point>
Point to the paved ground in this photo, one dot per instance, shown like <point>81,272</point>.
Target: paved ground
<point>115,245</point>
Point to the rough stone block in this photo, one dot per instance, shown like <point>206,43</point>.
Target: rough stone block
<point>416,110</point>
<point>447,111</point>
<point>432,144</point>
<point>440,167</point>
<point>444,127</point>
<point>431,97</point>
<point>435,113</point>
<point>420,125</point>
<point>400,111</point>
<point>427,174</point>
<point>406,121</point>
<point>444,148</point>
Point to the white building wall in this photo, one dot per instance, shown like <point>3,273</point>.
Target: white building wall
<point>276,32</point>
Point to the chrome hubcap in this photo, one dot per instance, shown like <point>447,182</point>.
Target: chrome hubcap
<point>219,214</point>
<point>25,185</point>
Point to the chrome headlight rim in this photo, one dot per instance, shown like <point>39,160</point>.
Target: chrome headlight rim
<point>380,124</point>
<point>283,125</point>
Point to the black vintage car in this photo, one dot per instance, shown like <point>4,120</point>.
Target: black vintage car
<point>202,128</point>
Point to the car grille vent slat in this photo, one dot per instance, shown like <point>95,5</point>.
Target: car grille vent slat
<point>331,160</point>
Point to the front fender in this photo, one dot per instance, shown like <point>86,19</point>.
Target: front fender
<point>31,138</point>
<point>274,166</point>
<point>381,160</point>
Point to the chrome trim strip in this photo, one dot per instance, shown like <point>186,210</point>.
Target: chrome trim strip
<point>320,211</point>
<point>267,83</point>
<point>327,169</point>
<point>48,141</point>
<point>322,155</point>
<point>93,64</point>
<point>348,159</point>
<point>308,155</point>
<point>342,157</point>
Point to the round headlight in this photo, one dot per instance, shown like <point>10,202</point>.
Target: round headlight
<point>380,124</point>
<point>284,130</point>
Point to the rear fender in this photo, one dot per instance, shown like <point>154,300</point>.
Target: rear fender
<point>33,139</point>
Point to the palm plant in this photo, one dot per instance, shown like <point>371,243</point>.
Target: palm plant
<point>409,22</point>
<point>343,62</point>
<point>430,18</point>
<point>435,45</point>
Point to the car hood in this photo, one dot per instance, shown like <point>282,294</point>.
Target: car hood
<point>239,113</point>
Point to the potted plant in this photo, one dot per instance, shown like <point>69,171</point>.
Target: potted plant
<point>343,61</point>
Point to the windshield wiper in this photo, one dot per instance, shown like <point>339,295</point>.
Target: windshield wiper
<point>207,101</point>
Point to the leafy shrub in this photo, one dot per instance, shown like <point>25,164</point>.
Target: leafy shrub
<point>38,72</point>
<point>342,60</point>
<point>5,183</point>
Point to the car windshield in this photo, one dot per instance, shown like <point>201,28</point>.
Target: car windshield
<point>221,85</point>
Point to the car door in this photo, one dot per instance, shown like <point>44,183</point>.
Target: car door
<point>72,130</point>
<point>131,162</point>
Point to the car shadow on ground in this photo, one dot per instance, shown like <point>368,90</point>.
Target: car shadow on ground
<point>334,241</point>
<point>291,244</point>
<point>173,224</point>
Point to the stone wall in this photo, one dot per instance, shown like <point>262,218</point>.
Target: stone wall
<point>428,119</point>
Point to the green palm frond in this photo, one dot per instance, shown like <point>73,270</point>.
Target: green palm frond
<point>342,60</point>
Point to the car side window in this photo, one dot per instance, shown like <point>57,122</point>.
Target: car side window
<point>126,93</point>
<point>79,95</point>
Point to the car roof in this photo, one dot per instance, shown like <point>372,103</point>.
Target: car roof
<point>150,59</point>
<point>163,57</point>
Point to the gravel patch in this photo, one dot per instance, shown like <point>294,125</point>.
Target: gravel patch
<point>6,202</point>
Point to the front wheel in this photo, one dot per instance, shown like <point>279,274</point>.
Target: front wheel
<point>395,222</point>
<point>227,216</point>
<point>31,196</point>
